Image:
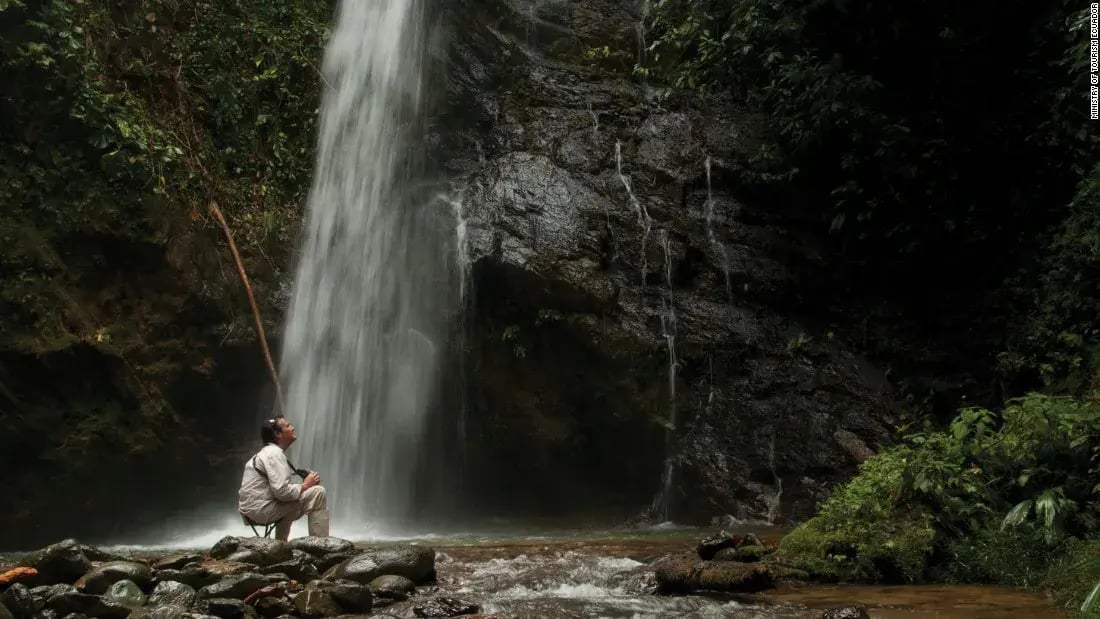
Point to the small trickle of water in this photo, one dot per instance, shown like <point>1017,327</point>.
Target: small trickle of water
<point>713,238</point>
<point>595,119</point>
<point>660,507</point>
<point>462,250</point>
<point>773,499</point>
<point>644,220</point>
<point>640,30</point>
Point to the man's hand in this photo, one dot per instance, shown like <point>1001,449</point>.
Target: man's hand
<point>311,480</point>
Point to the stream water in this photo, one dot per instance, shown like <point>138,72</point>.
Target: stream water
<point>601,575</point>
<point>521,570</point>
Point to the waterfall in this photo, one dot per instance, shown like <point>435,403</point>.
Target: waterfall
<point>377,286</point>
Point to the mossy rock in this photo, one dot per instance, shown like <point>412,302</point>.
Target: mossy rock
<point>751,554</point>
<point>894,551</point>
<point>862,533</point>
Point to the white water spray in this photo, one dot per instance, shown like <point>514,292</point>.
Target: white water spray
<point>376,283</point>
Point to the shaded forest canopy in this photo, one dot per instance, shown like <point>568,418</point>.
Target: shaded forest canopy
<point>949,155</point>
<point>121,121</point>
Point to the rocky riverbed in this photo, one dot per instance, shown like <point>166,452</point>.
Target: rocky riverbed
<point>722,575</point>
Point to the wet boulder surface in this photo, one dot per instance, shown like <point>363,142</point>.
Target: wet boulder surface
<point>635,294</point>
<point>192,585</point>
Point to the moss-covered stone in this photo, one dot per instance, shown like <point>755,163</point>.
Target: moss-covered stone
<point>863,532</point>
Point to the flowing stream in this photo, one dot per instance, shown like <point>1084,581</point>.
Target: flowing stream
<point>378,281</point>
<point>528,569</point>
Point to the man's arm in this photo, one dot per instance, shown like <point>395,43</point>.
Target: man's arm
<point>279,476</point>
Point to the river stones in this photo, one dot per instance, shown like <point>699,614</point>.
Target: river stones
<point>177,561</point>
<point>273,606</point>
<point>353,597</point>
<point>851,611</point>
<point>297,569</point>
<point>254,550</point>
<point>744,554</point>
<point>101,578</point>
<point>226,568</point>
<point>709,546</point>
<point>196,576</point>
<point>85,604</point>
<point>326,562</point>
<point>685,573</point>
<point>125,593</point>
<point>445,607</point>
<point>238,586</point>
<point>393,587</point>
<point>172,593</point>
<point>63,562</point>
<point>417,563</point>
<point>226,608</point>
<point>315,601</point>
<point>167,612</point>
<point>98,554</point>
<point>321,546</point>
<point>18,599</point>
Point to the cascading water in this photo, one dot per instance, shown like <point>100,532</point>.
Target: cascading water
<point>377,285</point>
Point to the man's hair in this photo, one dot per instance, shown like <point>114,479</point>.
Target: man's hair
<point>268,429</point>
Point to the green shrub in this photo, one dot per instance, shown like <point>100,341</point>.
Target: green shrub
<point>863,531</point>
<point>988,500</point>
<point>1017,557</point>
<point>1074,574</point>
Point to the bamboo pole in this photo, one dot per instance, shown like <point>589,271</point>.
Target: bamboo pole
<point>217,212</point>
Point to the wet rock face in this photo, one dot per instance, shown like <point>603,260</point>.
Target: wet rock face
<point>621,292</point>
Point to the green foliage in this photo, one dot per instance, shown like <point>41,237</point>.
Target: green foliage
<point>992,555</point>
<point>1025,475</point>
<point>121,121</point>
<point>864,531</point>
<point>1060,333</point>
<point>1074,577</point>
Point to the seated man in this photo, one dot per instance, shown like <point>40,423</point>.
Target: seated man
<point>267,494</point>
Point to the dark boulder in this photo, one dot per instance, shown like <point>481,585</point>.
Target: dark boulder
<point>417,563</point>
<point>392,587</point>
<point>172,593</point>
<point>321,546</point>
<point>254,550</point>
<point>709,546</point>
<point>18,599</point>
<point>102,577</point>
<point>63,562</point>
